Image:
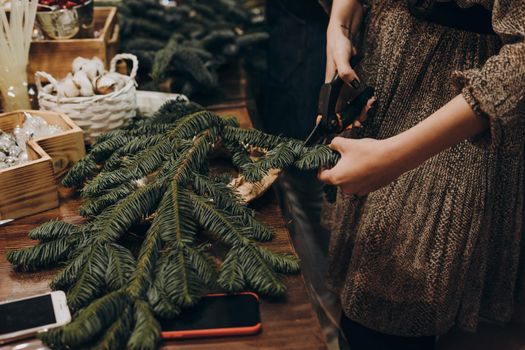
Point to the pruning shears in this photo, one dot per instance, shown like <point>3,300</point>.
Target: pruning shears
<point>4,222</point>
<point>333,122</point>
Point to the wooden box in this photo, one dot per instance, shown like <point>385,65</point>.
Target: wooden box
<point>30,188</point>
<point>56,56</point>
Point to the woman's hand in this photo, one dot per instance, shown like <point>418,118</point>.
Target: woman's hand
<point>365,165</point>
<point>345,20</point>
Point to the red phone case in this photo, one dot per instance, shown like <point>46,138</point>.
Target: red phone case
<point>215,332</point>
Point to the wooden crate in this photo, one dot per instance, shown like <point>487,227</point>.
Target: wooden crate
<point>30,188</point>
<point>56,56</point>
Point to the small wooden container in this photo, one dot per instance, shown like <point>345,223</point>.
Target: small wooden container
<point>30,188</point>
<point>56,56</point>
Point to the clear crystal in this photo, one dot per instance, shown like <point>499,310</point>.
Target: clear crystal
<point>13,148</point>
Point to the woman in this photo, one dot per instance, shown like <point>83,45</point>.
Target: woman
<point>427,231</point>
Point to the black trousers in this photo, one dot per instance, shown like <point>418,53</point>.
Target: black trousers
<point>296,66</point>
<point>362,338</point>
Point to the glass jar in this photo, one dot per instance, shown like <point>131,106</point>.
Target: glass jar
<point>13,85</point>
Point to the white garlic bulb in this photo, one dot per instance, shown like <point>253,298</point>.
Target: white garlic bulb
<point>109,82</point>
<point>83,83</point>
<point>96,68</point>
<point>89,78</point>
<point>78,63</point>
<point>93,67</point>
<point>67,87</point>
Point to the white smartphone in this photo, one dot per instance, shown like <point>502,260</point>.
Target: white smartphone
<point>22,318</point>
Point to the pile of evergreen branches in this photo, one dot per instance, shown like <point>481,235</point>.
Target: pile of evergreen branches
<point>180,48</point>
<point>155,173</point>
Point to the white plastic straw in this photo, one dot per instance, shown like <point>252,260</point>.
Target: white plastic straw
<point>15,40</point>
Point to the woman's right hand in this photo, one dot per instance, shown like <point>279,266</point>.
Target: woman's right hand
<point>345,20</point>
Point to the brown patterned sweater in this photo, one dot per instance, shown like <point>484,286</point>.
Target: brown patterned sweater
<point>443,244</point>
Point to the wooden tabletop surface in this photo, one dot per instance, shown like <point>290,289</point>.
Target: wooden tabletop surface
<point>287,324</point>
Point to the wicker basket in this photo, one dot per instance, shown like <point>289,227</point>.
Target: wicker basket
<point>96,114</point>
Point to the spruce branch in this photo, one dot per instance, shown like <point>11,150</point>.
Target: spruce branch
<point>207,35</point>
<point>156,173</point>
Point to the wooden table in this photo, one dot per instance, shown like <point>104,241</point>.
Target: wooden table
<point>288,324</point>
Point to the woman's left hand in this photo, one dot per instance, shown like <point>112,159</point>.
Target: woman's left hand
<point>365,165</point>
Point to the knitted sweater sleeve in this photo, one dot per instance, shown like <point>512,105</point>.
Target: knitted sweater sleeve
<point>497,89</point>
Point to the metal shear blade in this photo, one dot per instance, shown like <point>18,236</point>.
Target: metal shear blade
<point>3,222</point>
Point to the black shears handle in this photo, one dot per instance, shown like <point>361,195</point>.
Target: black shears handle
<point>335,122</point>
<point>327,101</point>
<point>352,109</point>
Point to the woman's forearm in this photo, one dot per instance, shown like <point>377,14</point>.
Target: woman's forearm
<point>345,20</point>
<point>343,12</point>
<point>451,124</point>
<point>369,164</point>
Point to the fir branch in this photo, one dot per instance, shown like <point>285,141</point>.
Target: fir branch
<point>283,263</point>
<point>193,157</point>
<point>280,157</point>
<point>133,147</point>
<point>115,337</point>
<point>52,230</point>
<point>141,279</point>
<point>157,170</point>
<point>89,323</point>
<point>69,275</point>
<point>192,124</point>
<point>239,154</point>
<point>156,296</point>
<point>102,150</point>
<point>143,127</point>
<point>110,134</point>
<point>146,334</point>
<point>316,157</point>
<point>182,284</point>
<point>252,137</point>
<point>161,307</point>
<point>219,222</point>
<point>84,169</point>
<point>181,281</point>
<point>230,120</point>
<point>231,277</point>
<point>171,111</point>
<point>227,199</point>
<point>90,282</point>
<point>144,163</point>
<point>41,255</point>
<point>121,265</point>
<point>178,224</point>
<point>258,272</point>
<point>130,210</point>
<point>94,206</point>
